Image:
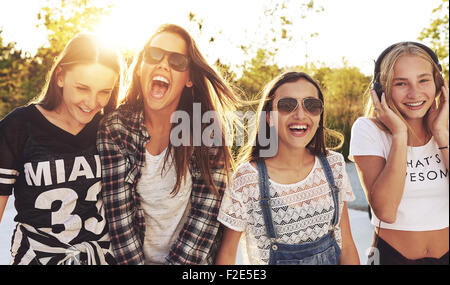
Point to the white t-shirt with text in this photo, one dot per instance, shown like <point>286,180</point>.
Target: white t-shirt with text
<point>425,202</point>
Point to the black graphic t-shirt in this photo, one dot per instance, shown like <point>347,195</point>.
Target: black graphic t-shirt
<point>55,176</point>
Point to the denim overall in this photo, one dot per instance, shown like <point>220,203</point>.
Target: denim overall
<point>324,251</point>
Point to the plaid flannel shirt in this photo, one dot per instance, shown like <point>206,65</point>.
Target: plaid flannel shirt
<point>121,141</point>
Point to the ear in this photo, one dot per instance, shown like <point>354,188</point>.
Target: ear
<point>59,77</point>
<point>189,84</point>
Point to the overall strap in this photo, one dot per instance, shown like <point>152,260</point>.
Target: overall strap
<point>265,198</point>
<point>334,189</point>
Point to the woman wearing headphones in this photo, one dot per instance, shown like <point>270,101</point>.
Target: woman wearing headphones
<point>405,131</point>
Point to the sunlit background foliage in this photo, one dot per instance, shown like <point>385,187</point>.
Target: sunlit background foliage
<point>22,75</point>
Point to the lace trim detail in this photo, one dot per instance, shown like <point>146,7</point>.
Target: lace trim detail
<point>301,212</point>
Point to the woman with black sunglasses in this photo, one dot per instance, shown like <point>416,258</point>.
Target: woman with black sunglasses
<point>291,206</point>
<point>161,197</point>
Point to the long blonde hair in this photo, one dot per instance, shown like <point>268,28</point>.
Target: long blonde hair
<point>386,76</point>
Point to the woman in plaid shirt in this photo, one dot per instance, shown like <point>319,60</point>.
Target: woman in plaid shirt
<point>161,196</point>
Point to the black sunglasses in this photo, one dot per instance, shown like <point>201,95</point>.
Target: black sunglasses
<point>313,106</point>
<point>177,61</point>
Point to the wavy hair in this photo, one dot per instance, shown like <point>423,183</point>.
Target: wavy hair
<point>387,76</point>
<point>209,89</point>
<point>317,145</point>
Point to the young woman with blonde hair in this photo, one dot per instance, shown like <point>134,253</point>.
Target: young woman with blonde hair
<point>401,153</point>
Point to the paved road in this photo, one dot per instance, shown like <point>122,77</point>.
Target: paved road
<point>362,231</point>
<point>361,202</point>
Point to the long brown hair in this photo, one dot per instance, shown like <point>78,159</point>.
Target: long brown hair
<point>84,48</point>
<point>209,89</point>
<point>317,145</point>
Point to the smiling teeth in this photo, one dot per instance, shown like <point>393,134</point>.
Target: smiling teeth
<point>160,78</point>
<point>298,127</point>
<point>414,104</point>
<point>85,110</point>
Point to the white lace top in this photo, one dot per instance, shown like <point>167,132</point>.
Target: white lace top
<point>301,212</point>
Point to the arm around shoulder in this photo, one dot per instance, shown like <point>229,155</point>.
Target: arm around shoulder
<point>118,203</point>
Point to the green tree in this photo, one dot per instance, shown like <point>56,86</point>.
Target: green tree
<point>63,20</point>
<point>280,18</point>
<point>437,35</point>
<point>21,76</point>
<point>343,91</point>
<point>257,73</point>
<point>13,76</point>
<point>276,31</point>
<point>226,72</point>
